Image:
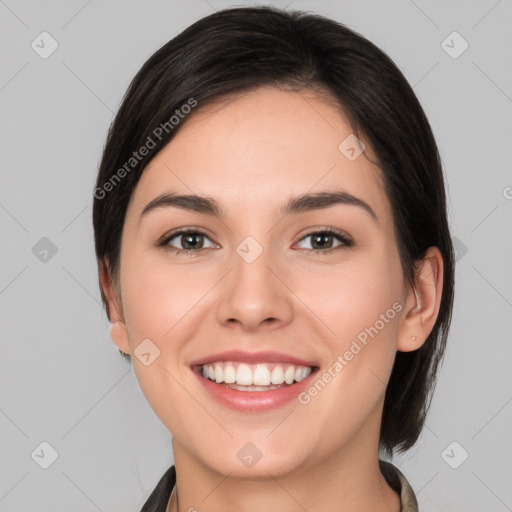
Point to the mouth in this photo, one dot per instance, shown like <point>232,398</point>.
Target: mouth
<point>254,387</point>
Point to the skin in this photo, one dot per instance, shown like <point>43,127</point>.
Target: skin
<point>251,154</point>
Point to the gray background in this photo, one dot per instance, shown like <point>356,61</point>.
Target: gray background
<point>62,380</point>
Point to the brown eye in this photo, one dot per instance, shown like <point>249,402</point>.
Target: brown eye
<point>324,240</point>
<point>189,240</point>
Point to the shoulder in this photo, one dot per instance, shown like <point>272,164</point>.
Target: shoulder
<point>399,483</point>
<point>158,499</point>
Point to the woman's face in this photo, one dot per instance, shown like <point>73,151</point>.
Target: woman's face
<point>249,284</point>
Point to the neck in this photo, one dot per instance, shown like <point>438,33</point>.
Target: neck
<point>347,481</point>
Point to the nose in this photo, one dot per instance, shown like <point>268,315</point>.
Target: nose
<point>253,295</point>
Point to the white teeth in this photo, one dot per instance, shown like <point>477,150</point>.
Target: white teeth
<point>244,375</point>
<point>260,376</point>
<point>289,374</point>
<point>277,376</point>
<point>254,388</point>
<point>229,375</point>
<point>219,377</point>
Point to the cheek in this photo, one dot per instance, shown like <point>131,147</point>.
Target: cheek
<point>362,306</point>
<point>157,304</point>
<point>156,297</point>
<point>353,296</point>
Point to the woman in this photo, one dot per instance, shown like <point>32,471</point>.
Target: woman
<point>274,256</point>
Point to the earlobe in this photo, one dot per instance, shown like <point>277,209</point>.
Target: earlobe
<point>119,336</point>
<point>422,302</point>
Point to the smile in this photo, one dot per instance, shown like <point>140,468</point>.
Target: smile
<point>254,377</point>
<point>253,388</point>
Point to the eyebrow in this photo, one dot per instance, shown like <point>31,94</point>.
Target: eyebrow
<point>295,205</point>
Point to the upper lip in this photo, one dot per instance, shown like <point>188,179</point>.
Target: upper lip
<point>252,357</point>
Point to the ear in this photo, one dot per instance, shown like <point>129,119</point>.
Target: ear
<point>112,295</point>
<point>422,302</point>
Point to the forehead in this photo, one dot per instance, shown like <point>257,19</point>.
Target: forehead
<point>257,148</point>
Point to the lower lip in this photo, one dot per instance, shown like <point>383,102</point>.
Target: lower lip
<point>254,401</point>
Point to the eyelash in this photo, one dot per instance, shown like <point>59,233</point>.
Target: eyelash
<point>345,241</point>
